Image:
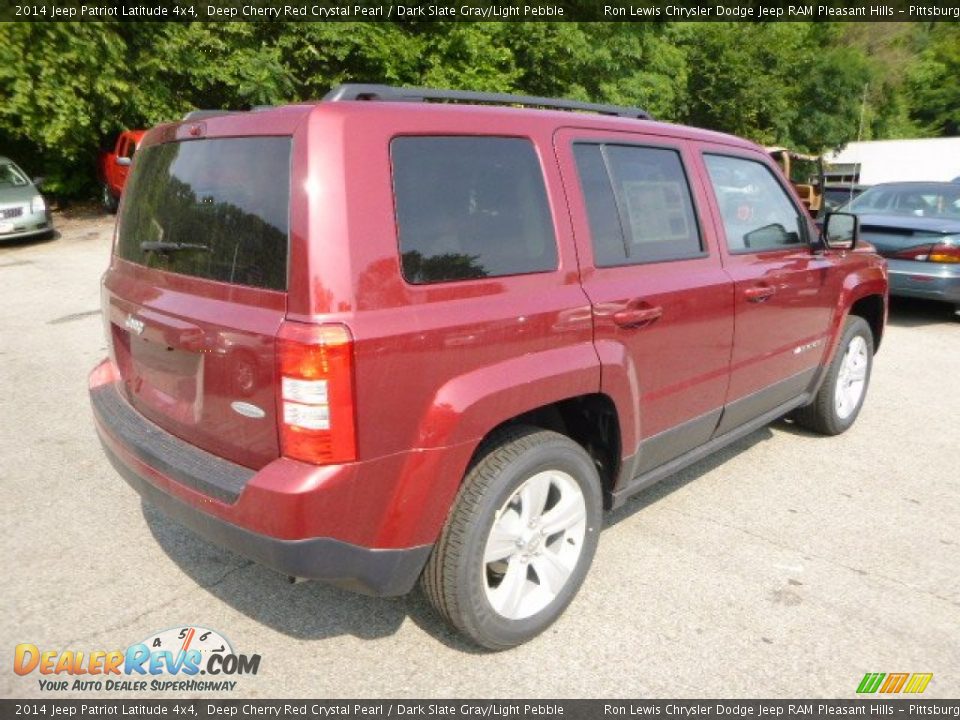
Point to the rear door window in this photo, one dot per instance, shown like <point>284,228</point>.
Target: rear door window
<point>216,209</point>
<point>639,204</point>
<point>470,207</point>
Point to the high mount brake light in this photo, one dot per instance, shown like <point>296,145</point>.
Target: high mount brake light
<point>317,423</point>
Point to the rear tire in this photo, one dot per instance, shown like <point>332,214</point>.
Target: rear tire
<point>519,539</point>
<point>838,402</point>
<point>107,199</point>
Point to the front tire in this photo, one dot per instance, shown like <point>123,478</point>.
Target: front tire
<point>838,402</point>
<point>519,539</point>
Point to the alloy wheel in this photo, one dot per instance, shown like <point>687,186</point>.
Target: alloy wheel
<point>852,378</point>
<point>534,544</point>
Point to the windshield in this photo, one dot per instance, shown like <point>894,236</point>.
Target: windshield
<point>931,201</point>
<point>215,209</point>
<point>11,176</point>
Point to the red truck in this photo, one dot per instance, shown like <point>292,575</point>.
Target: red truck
<point>376,338</point>
<point>113,166</point>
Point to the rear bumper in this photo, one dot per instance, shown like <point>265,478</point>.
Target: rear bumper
<point>925,280</point>
<point>205,493</point>
<point>363,570</point>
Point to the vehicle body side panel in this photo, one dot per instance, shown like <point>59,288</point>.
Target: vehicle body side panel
<point>667,373</point>
<point>783,336</point>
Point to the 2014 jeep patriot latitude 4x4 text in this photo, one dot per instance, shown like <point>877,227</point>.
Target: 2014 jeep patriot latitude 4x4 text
<point>376,338</point>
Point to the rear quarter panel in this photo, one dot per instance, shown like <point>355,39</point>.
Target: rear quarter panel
<point>444,363</point>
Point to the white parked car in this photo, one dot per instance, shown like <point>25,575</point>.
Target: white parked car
<point>23,211</point>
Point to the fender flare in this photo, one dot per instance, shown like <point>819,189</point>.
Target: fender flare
<point>467,407</point>
<point>869,281</point>
<point>464,411</point>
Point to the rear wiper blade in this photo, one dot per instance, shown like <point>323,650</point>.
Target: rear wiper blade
<point>171,246</point>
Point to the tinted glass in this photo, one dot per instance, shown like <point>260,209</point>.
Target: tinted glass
<point>609,246</point>
<point>756,211</point>
<point>470,208</point>
<point>215,209</point>
<point>644,212</point>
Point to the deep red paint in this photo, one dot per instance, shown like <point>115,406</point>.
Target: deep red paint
<point>437,367</point>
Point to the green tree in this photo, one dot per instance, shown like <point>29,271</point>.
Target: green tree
<point>932,82</point>
<point>791,84</point>
<point>61,85</point>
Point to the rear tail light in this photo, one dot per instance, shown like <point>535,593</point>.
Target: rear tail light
<point>919,252</point>
<point>938,253</point>
<point>317,422</point>
<point>944,253</point>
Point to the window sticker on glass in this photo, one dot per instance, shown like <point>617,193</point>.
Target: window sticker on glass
<point>656,212</point>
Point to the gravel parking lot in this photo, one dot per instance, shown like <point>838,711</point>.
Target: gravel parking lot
<point>786,566</point>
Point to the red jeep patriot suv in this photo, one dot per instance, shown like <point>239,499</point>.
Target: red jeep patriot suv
<point>408,333</point>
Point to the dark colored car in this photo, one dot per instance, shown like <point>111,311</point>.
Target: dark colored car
<point>376,338</point>
<point>916,226</point>
<point>23,210</point>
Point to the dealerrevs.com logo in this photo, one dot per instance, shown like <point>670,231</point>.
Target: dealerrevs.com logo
<point>171,660</point>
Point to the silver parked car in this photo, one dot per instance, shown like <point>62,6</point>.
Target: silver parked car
<point>23,211</point>
<point>916,226</point>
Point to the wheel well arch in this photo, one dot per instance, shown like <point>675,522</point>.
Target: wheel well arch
<point>590,420</point>
<point>872,309</point>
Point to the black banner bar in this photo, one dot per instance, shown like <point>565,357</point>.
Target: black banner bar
<point>475,10</point>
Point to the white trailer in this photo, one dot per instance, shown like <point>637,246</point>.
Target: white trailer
<point>877,161</point>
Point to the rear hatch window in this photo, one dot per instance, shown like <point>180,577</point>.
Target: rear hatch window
<point>197,358</point>
<point>214,209</point>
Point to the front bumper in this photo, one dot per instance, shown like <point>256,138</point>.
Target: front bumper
<point>25,225</point>
<point>934,281</point>
<point>198,489</point>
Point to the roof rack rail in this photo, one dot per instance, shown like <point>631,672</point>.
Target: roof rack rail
<point>389,93</point>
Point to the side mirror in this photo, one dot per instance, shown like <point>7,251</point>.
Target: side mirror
<point>38,181</point>
<point>840,231</point>
<point>123,161</point>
